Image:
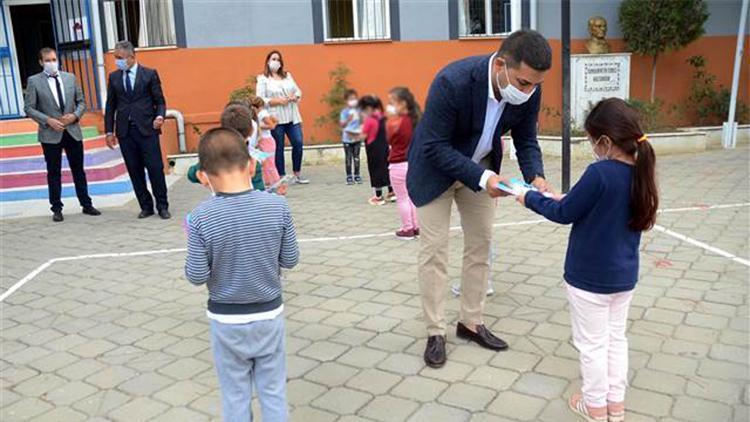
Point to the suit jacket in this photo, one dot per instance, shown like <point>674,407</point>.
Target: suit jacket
<point>449,131</point>
<point>141,106</point>
<point>40,105</point>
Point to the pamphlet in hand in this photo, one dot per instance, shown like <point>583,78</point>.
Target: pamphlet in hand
<point>517,187</point>
<point>259,155</point>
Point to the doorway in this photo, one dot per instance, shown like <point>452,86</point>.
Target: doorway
<point>32,30</point>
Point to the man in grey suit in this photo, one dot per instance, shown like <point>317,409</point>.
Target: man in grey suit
<point>55,101</point>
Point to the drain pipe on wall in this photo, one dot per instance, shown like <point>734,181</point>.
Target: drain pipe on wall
<point>175,114</point>
<point>96,28</point>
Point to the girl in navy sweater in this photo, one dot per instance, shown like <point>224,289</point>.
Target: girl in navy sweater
<point>615,200</point>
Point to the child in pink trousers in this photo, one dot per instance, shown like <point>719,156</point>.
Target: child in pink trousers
<point>267,144</point>
<point>614,201</point>
<point>404,114</point>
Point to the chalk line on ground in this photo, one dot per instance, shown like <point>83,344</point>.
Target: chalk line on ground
<point>702,245</point>
<point>30,276</point>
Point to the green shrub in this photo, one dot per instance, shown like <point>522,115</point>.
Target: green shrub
<point>649,114</point>
<point>334,98</point>
<point>709,102</point>
<point>245,92</point>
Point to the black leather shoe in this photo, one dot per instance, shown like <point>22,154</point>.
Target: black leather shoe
<point>482,337</point>
<point>90,210</point>
<point>57,216</point>
<point>164,214</point>
<point>146,213</point>
<point>434,353</point>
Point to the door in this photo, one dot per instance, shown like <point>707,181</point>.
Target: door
<point>10,88</point>
<point>32,31</point>
<point>72,22</point>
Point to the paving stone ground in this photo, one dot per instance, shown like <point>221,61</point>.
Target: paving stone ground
<point>125,338</point>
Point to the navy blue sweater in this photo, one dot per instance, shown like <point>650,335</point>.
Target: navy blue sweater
<point>602,252</point>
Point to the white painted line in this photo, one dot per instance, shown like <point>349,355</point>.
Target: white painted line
<point>704,208</point>
<point>26,279</point>
<point>30,276</point>
<point>702,245</point>
<point>370,236</point>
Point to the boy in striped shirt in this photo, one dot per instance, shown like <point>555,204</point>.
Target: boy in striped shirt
<point>238,241</point>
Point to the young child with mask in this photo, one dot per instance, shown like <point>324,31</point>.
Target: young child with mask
<point>267,144</point>
<point>615,200</point>
<point>376,146</point>
<point>404,114</point>
<point>241,118</point>
<point>238,242</point>
<point>351,129</point>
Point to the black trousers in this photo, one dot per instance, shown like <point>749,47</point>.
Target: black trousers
<point>143,153</point>
<point>351,153</point>
<point>53,158</point>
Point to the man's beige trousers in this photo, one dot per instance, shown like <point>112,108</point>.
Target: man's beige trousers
<point>477,211</point>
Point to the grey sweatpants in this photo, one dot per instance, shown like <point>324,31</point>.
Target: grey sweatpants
<point>247,354</point>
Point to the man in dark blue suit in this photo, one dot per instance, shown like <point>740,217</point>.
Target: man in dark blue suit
<point>455,157</point>
<point>134,116</point>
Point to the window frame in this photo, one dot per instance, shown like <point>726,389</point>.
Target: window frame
<point>516,10</point>
<point>110,32</point>
<point>388,36</point>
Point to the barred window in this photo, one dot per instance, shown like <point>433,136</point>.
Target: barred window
<point>354,20</point>
<point>145,23</point>
<point>477,18</point>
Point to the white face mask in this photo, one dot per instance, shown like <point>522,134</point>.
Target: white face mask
<point>274,65</point>
<point>510,93</point>
<point>352,103</point>
<point>210,186</point>
<point>596,156</point>
<point>51,68</point>
<point>390,109</point>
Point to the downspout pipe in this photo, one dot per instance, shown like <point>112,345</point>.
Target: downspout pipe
<point>175,114</point>
<point>96,29</point>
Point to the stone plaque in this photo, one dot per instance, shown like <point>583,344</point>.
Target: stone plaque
<point>595,77</point>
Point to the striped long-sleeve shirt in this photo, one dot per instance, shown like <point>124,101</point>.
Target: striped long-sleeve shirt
<point>237,245</point>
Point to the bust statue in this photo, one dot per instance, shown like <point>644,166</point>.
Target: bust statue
<point>597,44</point>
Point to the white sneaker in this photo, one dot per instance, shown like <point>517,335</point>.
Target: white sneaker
<point>456,289</point>
<point>299,180</point>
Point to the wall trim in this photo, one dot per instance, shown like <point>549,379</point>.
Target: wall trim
<point>395,21</point>
<point>317,22</point>
<point>453,20</point>
<point>179,23</point>
<point>526,14</point>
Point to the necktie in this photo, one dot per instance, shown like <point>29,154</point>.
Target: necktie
<point>60,100</point>
<point>128,85</point>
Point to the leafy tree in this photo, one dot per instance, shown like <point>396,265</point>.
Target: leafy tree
<point>245,92</point>
<point>334,98</point>
<point>655,27</point>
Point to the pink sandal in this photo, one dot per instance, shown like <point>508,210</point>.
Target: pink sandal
<point>578,406</point>
<point>616,411</point>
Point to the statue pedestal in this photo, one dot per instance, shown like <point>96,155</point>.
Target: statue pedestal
<point>595,77</point>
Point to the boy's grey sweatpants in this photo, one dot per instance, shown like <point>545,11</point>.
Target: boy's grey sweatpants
<point>251,353</point>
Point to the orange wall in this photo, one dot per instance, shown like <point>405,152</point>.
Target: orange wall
<point>197,81</point>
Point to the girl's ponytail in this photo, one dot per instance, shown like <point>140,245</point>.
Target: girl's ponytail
<point>403,94</point>
<point>618,121</point>
<point>644,195</point>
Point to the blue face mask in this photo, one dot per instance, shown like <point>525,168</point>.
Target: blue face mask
<point>121,64</point>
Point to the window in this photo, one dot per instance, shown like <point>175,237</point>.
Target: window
<point>145,23</point>
<point>480,18</point>
<point>352,20</point>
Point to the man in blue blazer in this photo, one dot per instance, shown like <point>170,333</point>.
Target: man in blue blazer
<point>455,157</point>
<point>134,116</point>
